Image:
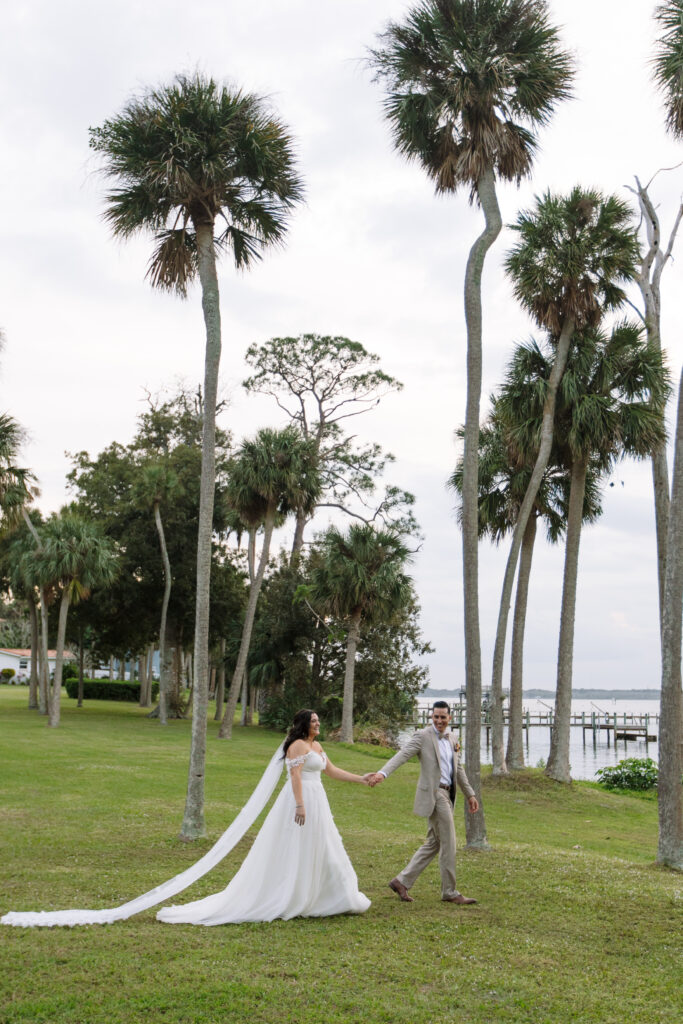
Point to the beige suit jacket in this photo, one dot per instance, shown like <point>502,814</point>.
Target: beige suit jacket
<point>425,746</point>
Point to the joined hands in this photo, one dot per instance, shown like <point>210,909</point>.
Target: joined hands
<point>373,779</point>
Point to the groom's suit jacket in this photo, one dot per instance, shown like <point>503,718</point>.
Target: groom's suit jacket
<point>425,745</point>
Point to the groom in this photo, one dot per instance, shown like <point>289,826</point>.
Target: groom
<point>438,752</point>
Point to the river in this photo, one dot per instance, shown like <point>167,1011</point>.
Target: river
<point>585,755</point>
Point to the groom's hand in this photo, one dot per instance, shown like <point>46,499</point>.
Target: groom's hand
<point>376,778</point>
<point>473,804</point>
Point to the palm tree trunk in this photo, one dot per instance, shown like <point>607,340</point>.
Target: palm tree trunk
<point>225,731</point>
<point>298,542</point>
<point>558,766</point>
<point>81,668</point>
<point>526,508</point>
<point>44,681</point>
<point>220,684</point>
<point>316,664</point>
<point>44,678</point>
<point>33,678</point>
<point>669,791</point>
<point>346,732</point>
<point>163,675</point>
<point>515,748</point>
<point>111,667</point>
<point>55,695</point>
<point>142,661</point>
<point>244,715</point>
<point>475,825</point>
<point>193,825</point>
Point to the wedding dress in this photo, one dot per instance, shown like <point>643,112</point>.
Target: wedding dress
<point>290,871</point>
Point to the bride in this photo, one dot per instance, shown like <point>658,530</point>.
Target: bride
<point>296,867</point>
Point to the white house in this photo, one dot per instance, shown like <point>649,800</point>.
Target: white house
<point>19,658</point>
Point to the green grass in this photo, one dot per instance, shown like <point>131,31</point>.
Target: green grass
<point>574,924</point>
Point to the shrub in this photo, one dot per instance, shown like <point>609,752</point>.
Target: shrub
<point>69,671</point>
<point>108,689</point>
<point>7,674</point>
<point>633,773</point>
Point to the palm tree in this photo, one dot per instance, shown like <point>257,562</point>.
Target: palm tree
<point>573,255</point>
<point>206,169</point>
<point>75,558</point>
<point>668,68</point>
<point>503,479</point>
<point>159,484</point>
<point>273,475</point>
<point>358,580</point>
<point>17,490</point>
<point>15,548</point>
<point>610,405</point>
<point>17,484</point>
<point>470,82</point>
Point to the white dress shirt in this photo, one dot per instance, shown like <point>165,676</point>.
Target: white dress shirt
<point>445,756</point>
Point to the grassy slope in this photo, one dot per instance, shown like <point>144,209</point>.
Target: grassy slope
<point>574,923</point>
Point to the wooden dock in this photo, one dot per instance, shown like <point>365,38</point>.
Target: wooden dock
<point>617,726</point>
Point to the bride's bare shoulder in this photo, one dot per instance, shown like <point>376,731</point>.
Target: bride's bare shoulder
<point>297,749</point>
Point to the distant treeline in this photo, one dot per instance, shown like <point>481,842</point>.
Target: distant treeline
<point>577,694</point>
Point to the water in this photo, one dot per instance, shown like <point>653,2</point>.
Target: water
<point>585,756</point>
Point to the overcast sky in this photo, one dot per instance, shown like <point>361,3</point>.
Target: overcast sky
<point>373,255</point>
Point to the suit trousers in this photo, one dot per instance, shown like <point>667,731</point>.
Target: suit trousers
<point>440,839</point>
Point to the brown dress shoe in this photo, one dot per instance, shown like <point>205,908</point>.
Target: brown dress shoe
<point>400,890</point>
<point>460,899</point>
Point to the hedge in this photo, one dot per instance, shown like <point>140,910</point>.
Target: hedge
<point>108,689</point>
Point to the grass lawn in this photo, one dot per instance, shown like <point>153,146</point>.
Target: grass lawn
<point>574,923</point>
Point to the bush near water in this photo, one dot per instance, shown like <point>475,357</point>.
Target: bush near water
<point>633,773</point>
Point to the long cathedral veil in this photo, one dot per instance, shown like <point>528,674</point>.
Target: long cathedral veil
<point>221,848</point>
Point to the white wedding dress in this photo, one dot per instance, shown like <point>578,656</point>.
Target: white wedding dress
<point>290,871</point>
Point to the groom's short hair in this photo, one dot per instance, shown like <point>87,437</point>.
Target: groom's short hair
<point>441,704</point>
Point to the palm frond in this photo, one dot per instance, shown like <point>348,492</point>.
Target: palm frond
<point>667,64</point>
<point>190,152</point>
<point>469,83</point>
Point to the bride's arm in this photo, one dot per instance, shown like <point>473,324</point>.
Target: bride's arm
<point>296,752</point>
<point>344,776</point>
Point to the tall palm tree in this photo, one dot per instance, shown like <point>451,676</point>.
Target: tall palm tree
<point>17,490</point>
<point>75,558</point>
<point>360,579</point>
<point>504,474</point>
<point>568,267</point>
<point>610,405</point>
<point>273,475</point>
<point>159,485</point>
<point>206,169</point>
<point>469,84</point>
<point>17,484</point>
<point>668,73</point>
<point>15,547</point>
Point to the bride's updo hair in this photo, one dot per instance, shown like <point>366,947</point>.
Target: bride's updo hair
<point>301,726</point>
